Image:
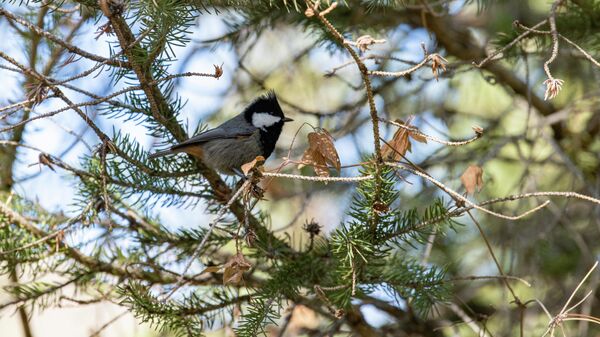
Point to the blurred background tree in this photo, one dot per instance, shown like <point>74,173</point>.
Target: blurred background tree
<point>499,98</point>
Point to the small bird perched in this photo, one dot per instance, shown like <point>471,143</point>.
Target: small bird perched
<point>252,133</point>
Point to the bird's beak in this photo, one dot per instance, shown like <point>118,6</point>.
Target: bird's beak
<point>285,120</point>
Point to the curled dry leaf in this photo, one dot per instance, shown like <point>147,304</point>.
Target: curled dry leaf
<point>472,179</point>
<point>250,237</point>
<point>255,163</point>
<point>437,63</point>
<point>400,143</point>
<point>234,269</point>
<point>323,141</point>
<point>321,152</point>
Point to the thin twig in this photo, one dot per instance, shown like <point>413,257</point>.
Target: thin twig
<point>554,34</point>
<point>33,244</point>
<point>508,46</point>
<point>59,41</point>
<point>181,280</point>
<point>432,138</point>
<point>564,38</point>
<point>487,277</point>
<point>468,320</point>
<point>316,178</point>
<point>456,195</point>
<point>107,324</point>
<point>406,72</point>
<point>334,70</point>
<point>491,251</point>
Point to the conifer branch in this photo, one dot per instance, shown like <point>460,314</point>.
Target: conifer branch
<point>61,42</point>
<point>94,264</point>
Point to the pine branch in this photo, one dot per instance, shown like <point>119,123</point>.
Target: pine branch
<point>92,263</point>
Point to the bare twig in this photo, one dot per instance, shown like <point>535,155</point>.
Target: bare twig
<point>564,38</point>
<point>517,300</point>
<point>554,33</point>
<point>35,243</point>
<point>427,59</point>
<point>493,277</point>
<point>456,195</point>
<point>313,9</point>
<point>211,226</point>
<point>468,320</point>
<point>508,46</point>
<point>59,41</point>
<point>413,129</point>
<point>316,178</point>
<point>564,314</point>
<point>334,70</point>
<point>107,324</point>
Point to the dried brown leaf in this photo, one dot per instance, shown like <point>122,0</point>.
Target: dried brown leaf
<point>472,179</point>
<point>321,153</point>
<point>317,162</point>
<point>400,143</point>
<point>234,269</point>
<point>437,63</point>
<point>397,147</point>
<point>255,163</point>
<point>104,29</point>
<point>323,142</point>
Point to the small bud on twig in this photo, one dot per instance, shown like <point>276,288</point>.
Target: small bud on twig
<point>218,71</point>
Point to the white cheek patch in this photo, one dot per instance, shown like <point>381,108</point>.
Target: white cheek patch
<point>263,120</point>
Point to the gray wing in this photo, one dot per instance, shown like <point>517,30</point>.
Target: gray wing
<point>233,128</point>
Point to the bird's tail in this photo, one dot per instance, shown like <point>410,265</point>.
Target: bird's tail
<point>161,153</point>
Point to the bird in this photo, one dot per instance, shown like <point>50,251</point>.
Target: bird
<point>252,133</point>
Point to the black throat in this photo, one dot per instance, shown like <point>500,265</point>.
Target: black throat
<point>268,138</point>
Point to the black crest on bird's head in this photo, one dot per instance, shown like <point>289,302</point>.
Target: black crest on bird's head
<point>266,103</point>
